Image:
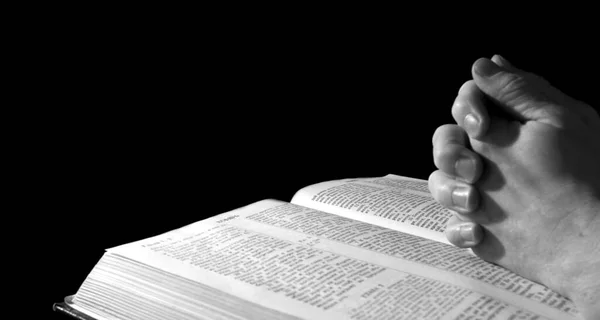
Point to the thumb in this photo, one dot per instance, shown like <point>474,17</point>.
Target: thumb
<point>522,95</point>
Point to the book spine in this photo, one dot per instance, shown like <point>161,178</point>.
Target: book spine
<point>64,308</point>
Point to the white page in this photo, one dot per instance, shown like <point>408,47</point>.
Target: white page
<point>394,202</point>
<point>317,265</point>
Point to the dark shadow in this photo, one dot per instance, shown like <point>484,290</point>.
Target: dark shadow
<point>504,127</point>
<point>491,179</point>
<point>490,212</point>
<point>490,249</point>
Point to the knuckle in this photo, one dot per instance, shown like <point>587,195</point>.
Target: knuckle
<point>436,157</point>
<point>435,136</point>
<point>441,133</point>
<point>512,86</point>
<point>431,183</point>
<point>459,110</point>
<point>446,156</point>
<point>467,87</point>
<point>436,183</point>
<point>431,179</point>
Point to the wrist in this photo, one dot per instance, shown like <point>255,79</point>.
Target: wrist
<point>582,266</point>
<point>587,299</point>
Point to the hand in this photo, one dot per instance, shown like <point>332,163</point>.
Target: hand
<point>459,167</point>
<point>452,184</point>
<point>535,186</point>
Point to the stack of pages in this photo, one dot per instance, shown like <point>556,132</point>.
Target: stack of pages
<point>370,248</point>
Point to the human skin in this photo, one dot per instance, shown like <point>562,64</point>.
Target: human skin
<point>528,191</point>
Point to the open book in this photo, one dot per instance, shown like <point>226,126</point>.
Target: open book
<point>369,248</point>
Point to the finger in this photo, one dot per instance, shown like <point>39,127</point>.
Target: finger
<point>522,95</point>
<point>453,194</point>
<point>469,110</point>
<point>584,110</point>
<point>463,234</point>
<point>451,155</point>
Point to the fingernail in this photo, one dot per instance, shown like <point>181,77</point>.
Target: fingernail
<point>471,125</point>
<point>465,168</point>
<point>505,62</point>
<point>486,68</point>
<point>460,197</point>
<point>467,232</point>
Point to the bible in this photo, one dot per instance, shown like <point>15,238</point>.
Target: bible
<point>365,248</point>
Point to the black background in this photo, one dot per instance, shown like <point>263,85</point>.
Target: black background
<point>147,123</point>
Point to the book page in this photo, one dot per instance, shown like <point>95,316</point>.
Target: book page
<point>316,265</point>
<point>394,202</point>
